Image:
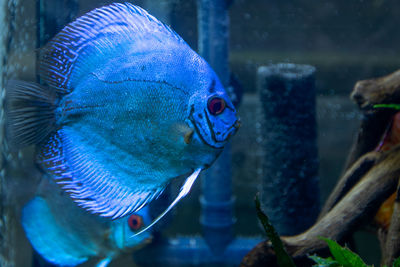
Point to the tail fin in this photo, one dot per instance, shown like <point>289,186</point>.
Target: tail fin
<point>29,111</point>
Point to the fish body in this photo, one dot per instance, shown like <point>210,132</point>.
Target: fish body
<point>127,106</point>
<point>66,235</point>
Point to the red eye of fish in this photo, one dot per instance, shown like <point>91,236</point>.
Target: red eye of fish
<point>216,105</point>
<point>135,222</point>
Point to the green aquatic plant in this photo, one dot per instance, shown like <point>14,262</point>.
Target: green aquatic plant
<point>392,106</point>
<point>283,258</point>
<point>342,257</point>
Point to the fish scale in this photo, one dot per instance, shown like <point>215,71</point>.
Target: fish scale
<point>126,119</point>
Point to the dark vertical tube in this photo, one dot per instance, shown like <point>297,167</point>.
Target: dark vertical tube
<point>216,200</point>
<point>290,185</point>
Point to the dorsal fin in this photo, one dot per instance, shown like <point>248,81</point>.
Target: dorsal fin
<point>94,37</point>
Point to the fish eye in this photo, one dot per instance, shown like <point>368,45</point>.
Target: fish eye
<point>216,105</point>
<point>135,222</point>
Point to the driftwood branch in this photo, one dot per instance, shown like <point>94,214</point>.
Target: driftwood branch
<point>348,180</point>
<point>369,179</point>
<point>390,241</point>
<point>384,90</point>
<point>366,94</point>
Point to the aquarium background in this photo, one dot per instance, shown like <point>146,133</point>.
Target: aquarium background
<point>345,40</point>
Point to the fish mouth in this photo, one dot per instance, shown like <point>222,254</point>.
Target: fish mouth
<point>218,138</point>
<point>222,138</point>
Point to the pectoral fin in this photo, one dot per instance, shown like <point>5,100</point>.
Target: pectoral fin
<point>188,136</point>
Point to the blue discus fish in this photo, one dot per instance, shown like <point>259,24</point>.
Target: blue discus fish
<point>127,106</point>
<point>67,235</point>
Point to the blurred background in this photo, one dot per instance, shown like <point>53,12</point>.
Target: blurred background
<point>345,41</point>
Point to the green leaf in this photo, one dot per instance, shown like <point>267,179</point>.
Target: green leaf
<point>392,106</point>
<point>396,262</point>
<point>321,262</point>
<point>344,256</point>
<point>283,258</point>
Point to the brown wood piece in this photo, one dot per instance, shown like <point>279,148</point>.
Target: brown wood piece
<point>372,128</point>
<point>391,245</point>
<point>351,177</point>
<point>367,93</point>
<point>385,89</point>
